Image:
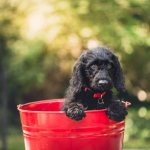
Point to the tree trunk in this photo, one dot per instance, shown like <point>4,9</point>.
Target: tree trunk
<point>4,100</point>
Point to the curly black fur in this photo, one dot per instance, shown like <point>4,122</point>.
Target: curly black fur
<point>96,71</point>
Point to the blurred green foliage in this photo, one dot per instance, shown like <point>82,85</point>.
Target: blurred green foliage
<point>40,41</point>
<point>137,132</point>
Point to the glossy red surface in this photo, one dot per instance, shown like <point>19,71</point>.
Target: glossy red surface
<point>45,127</point>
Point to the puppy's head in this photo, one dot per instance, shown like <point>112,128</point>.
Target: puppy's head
<point>98,69</point>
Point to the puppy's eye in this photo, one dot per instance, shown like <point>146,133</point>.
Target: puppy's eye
<point>93,67</point>
<point>109,66</point>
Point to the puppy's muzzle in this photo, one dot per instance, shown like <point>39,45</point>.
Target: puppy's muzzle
<point>102,82</point>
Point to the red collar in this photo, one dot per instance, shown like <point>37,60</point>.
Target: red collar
<point>95,95</point>
<point>99,95</point>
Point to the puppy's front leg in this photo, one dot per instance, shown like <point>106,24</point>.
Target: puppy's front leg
<point>117,111</point>
<point>75,111</point>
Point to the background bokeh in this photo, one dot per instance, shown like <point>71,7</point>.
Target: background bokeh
<point>40,41</point>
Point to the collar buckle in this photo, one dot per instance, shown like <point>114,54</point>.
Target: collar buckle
<point>100,101</point>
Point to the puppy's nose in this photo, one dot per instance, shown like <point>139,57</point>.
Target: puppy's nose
<point>101,82</point>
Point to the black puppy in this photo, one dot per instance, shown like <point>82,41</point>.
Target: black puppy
<point>95,73</point>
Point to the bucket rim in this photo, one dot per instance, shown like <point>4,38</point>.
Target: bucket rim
<point>20,107</point>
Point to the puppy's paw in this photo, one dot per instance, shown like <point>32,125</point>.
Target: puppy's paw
<point>117,111</point>
<point>75,111</point>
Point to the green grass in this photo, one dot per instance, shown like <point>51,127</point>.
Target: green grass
<point>15,142</point>
<point>15,139</point>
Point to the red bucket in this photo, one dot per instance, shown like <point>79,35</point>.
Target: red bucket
<point>45,127</point>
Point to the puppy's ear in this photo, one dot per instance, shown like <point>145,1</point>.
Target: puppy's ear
<point>77,79</point>
<point>119,82</point>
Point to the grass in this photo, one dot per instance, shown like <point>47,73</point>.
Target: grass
<point>15,139</point>
<point>15,142</point>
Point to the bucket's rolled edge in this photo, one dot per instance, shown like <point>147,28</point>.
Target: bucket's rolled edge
<point>18,106</point>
